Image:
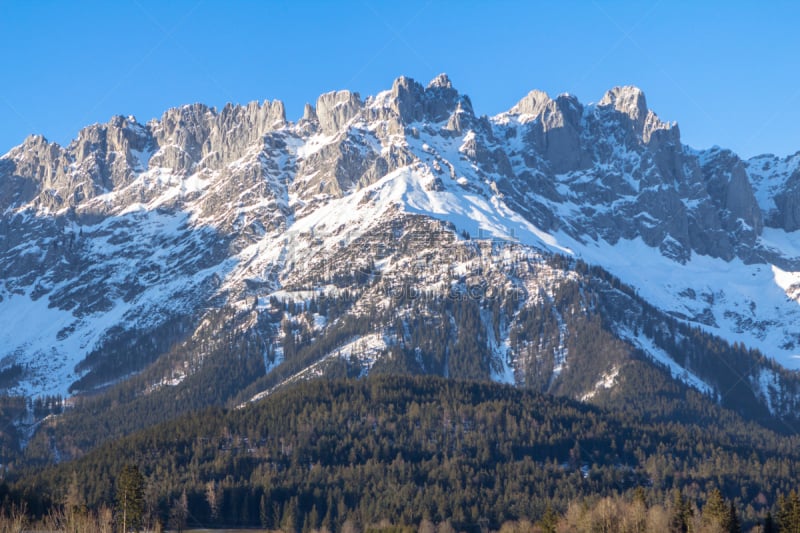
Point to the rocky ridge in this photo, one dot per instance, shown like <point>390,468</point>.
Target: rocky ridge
<point>153,239</point>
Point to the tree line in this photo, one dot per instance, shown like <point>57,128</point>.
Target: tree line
<point>413,450</point>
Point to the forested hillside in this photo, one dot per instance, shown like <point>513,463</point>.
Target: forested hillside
<point>414,449</point>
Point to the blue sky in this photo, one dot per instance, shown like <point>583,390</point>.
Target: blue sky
<point>727,72</point>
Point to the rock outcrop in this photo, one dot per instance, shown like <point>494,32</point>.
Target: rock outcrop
<point>335,109</point>
<point>135,224</point>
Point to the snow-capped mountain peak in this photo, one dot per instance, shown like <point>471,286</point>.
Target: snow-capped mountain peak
<point>138,248</point>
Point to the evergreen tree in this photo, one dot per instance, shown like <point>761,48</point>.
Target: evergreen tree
<point>290,519</point>
<point>549,521</point>
<point>179,513</point>
<point>264,511</point>
<point>73,500</point>
<point>715,512</point>
<point>733,520</point>
<point>681,513</point>
<point>769,524</point>
<point>130,498</point>
<point>214,498</point>
<point>311,521</point>
<point>789,513</point>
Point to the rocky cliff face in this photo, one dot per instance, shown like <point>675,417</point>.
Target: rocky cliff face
<point>145,244</point>
<point>625,174</point>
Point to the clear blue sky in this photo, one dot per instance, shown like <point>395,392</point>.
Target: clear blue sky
<point>727,72</point>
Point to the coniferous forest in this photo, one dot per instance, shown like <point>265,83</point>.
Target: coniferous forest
<point>424,452</point>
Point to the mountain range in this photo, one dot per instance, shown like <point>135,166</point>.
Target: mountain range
<point>213,255</point>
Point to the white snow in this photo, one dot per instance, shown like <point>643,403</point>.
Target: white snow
<point>606,381</point>
<point>787,244</point>
<point>768,175</point>
<point>141,159</point>
<point>30,336</point>
<point>757,304</point>
<point>749,302</point>
<point>313,145</point>
<point>365,349</point>
<point>660,356</point>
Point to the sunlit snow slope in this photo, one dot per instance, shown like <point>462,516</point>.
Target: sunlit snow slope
<point>138,247</point>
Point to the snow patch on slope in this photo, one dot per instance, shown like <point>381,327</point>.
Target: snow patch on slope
<point>466,210</point>
<point>49,342</point>
<point>365,350</point>
<point>660,356</point>
<point>751,303</point>
<point>607,381</point>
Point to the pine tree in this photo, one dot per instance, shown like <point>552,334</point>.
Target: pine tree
<point>263,511</point>
<point>733,520</point>
<point>73,500</point>
<point>769,524</point>
<point>312,519</point>
<point>549,521</point>
<point>715,511</point>
<point>789,513</point>
<point>179,513</point>
<point>214,498</point>
<point>681,513</point>
<point>290,519</point>
<point>130,497</point>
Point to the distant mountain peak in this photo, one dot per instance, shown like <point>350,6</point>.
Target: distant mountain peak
<point>627,99</point>
<point>534,103</point>
<point>441,81</point>
<point>219,214</point>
